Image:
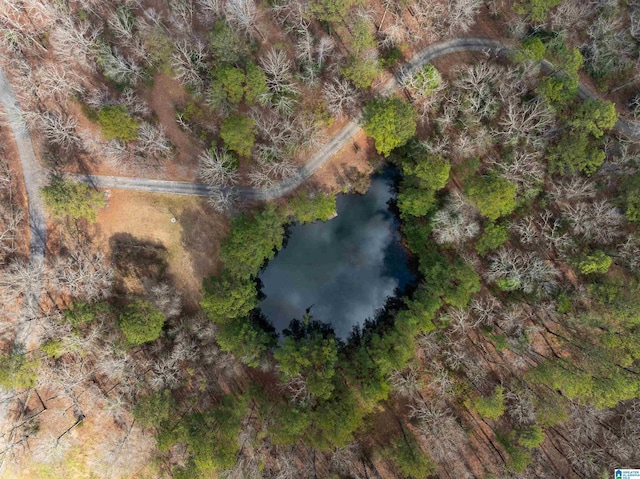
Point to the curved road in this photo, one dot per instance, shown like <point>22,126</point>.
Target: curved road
<point>340,139</point>
<point>34,175</point>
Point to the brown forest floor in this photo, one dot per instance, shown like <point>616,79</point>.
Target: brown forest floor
<point>192,241</point>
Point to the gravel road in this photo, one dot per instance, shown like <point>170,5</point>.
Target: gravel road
<point>34,179</point>
<point>34,175</point>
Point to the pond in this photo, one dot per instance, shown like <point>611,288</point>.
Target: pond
<point>343,269</point>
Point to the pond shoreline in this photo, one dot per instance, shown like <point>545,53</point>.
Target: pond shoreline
<point>358,259</point>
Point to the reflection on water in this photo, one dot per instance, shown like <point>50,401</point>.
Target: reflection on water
<point>343,269</point>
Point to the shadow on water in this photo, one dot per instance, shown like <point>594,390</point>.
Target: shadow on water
<point>349,273</point>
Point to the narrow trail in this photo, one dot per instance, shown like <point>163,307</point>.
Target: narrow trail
<point>34,179</point>
<point>34,174</point>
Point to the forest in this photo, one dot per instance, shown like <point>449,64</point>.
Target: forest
<point>154,155</point>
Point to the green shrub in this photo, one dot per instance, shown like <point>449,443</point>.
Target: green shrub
<point>492,195</point>
<point>427,80</point>
<point>391,122</point>
<point>361,71</point>
<point>159,46</point>
<point>238,133</point>
<point>575,152</point>
<point>390,57</point>
<point>535,10</point>
<point>141,322</point>
<point>307,209</point>
<point>596,263</point>
<point>631,198</point>
<point>531,437</point>
<point>231,85</point>
<point>490,407</point>
<point>81,312</point>
<point>153,409</point>
<point>594,117</point>
<point>68,198</point>
<point>551,411</point>
<point>519,459</point>
<point>16,372</point>
<point>226,45</point>
<point>117,124</point>
<point>508,284</point>
<point>53,348</point>
<point>531,49</point>
<point>563,303</point>
<point>423,176</point>
<point>329,10</point>
<point>492,238</point>
<point>363,37</point>
<point>406,454</point>
<point>500,341</point>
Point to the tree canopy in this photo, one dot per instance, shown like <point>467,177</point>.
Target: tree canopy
<point>231,85</point>
<point>238,132</point>
<point>253,239</point>
<point>360,71</point>
<point>17,371</point>
<point>312,354</point>
<point>575,152</point>
<point>141,322</point>
<point>492,195</point>
<point>69,198</point>
<point>391,122</point>
<point>309,208</point>
<point>117,124</point>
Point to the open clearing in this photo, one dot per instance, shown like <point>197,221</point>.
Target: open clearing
<point>192,241</point>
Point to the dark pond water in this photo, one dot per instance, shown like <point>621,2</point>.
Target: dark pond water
<point>343,269</point>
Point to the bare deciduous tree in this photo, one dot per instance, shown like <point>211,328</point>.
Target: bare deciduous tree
<point>522,270</point>
<point>181,14</point>
<point>277,67</point>
<point>166,299</point>
<point>445,435</point>
<point>406,382</point>
<point>520,406</point>
<point>524,169</point>
<point>188,61</point>
<point>223,199</point>
<point>60,130</point>
<point>82,274</point>
<point>210,10</point>
<point>455,222</point>
<point>217,168</point>
<point>122,24</point>
<point>526,120</point>
<point>152,141</point>
<point>11,216</point>
<point>461,15</point>
<point>597,220</point>
<point>297,390</point>
<point>117,67</point>
<point>18,279</point>
<point>243,14</point>
<point>341,97</point>
<point>347,461</point>
<point>74,43</point>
